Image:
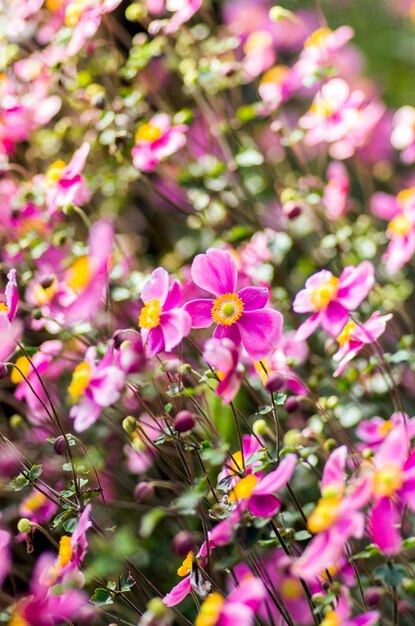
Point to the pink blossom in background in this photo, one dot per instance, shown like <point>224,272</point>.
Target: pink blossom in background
<point>156,140</point>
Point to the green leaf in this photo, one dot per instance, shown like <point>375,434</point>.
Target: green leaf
<point>390,574</point>
<point>102,596</point>
<point>19,482</point>
<point>126,581</point>
<point>302,535</point>
<point>111,584</point>
<point>70,524</point>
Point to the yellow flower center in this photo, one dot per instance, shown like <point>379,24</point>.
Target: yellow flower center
<point>400,225</point>
<point>73,12</point>
<point>324,515</point>
<point>331,619</point>
<point>210,610</point>
<point>405,196</point>
<point>24,366</point>
<point>275,75</point>
<point>291,589</point>
<point>318,38</point>
<point>79,274</point>
<point>80,380</point>
<point>53,174</point>
<point>148,132</point>
<point>65,550</point>
<point>261,371</point>
<point>34,502</point>
<point>3,307</point>
<point>16,618</point>
<point>243,488</point>
<point>385,428</point>
<point>324,294</point>
<point>258,40</point>
<point>227,309</point>
<point>186,567</point>
<point>237,464</point>
<point>346,334</point>
<point>388,480</point>
<point>54,5</point>
<point>45,291</point>
<point>150,314</point>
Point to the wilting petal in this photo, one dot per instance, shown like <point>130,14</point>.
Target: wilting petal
<point>260,332</point>
<point>215,271</point>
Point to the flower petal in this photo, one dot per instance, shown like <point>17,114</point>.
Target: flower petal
<point>215,271</point>
<point>260,332</point>
<point>254,298</point>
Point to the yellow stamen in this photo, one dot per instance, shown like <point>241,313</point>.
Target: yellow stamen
<point>243,488</point>
<point>65,550</point>
<point>331,619</point>
<point>44,292</point>
<point>291,589</point>
<point>275,75</point>
<point>263,376</point>
<point>405,196</point>
<point>324,294</point>
<point>73,12</point>
<point>318,38</point>
<point>324,515</point>
<point>23,364</point>
<point>79,274</point>
<point>80,380</point>
<point>388,480</point>
<point>210,610</point>
<point>227,309</point>
<point>54,5</point>
<point>54,172</point>
<point>236,464</point>
<point>385,428</point>
<point>186,567</point>
<point>16,618</point>
<point>346,334</point>
<point>148,132</point>
<point>258,40</point>
<point>150,314</point>
<point>3,307</point>
<point>34,502</point>
<point>400,225</point>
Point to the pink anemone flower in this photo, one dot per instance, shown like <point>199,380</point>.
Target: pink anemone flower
<point>335,519</point>
<point>156,140</point>
<point>354,337</point>
<point>162,322</point>
<point>5,553</point>
<point>319,48</point>
<point>341,615</point>
<point>241,461</point>
<point>336,192</point>
<point>239,607</point>
<point>65,184</point>
<point>10,329</point>
<point>94,386</point>
<point>72,549</point>
<point>240,315</point>
<point>393,487</point>
<point>223,355</point>
<point>374,431</point>
<point>330,299</point>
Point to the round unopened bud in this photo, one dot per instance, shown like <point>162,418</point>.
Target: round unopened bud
<point>129,424</point>
<point>330,444</point>
<point>291,404</point>
<point>143,492</point>
<point>373,595</point>
<point>60,444</point>
<point>16,421</point>
<point>184,369</point>
<point>184,421</point>
<point>157,607</point>
<point>292,437</point>
<point>275,382</point>
<point>367,453</point>
<point>317,598</point>
<point>183,543</point>
<point>259,427</point>
<point>24,525</point>
<point>3,371</point>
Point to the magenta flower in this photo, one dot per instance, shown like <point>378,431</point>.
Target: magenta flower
<point>10,329</point>
<point>393,487</point>
<point>239,607</point>
<point>65,184</point>
<point>223,356</point>
<point>182,11</point>
<point>94,385</point>
<point>250,446</point>
<point>335,519</point>
<point>330,299</point>
<point>319,49</point>
<point>162,322</point>
<point>374,431</point>
<point>5,553</point>
<point>156,140</point>
<point>258,494</point>
<point>72,549</point>
<point>240,315</point>
<point>336,192</point>
<point>279,364</point>
<point>85,18</point>
<point>342,615</point>
<point>354,337</point>
<point>277,85</point>
<point>37,507</point>
<point>400,212</point>
<point>403,133</point>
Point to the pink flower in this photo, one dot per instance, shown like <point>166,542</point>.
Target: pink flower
<point>241,462</point>
<point>72,549</point>
<point>65,184</point>
<point>400,212</point>
<point>239,607</point>
<point>240,316</point>
<point>374,431</point>
<point>141,453</point>
<point>258,494</point>
<point>289,352</point>
<point>10,329</point>
<point>163,324</point>
<point>182,11</point>
<point>94,386</point>
<point>84,17</point>
<point>319,48</point>
<point>156,140</point>
<point>259,53</point>
<point>336,192</point>
<point>9,300</point>
<point>5,553</point>
<point>223,356</point>
<point>393,486</point>
<point>335,519</point>
<point>37,507</point>
<point>278,84</point>
<point>403,133</point>
<point>354,337</point>
<point>330,299</point>
<point>341,615</point>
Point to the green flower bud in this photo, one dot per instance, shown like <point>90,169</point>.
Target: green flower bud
<point>129,424</point>
<point>24,525</point>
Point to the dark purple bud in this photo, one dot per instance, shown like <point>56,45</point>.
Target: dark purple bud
<point>292,209</point>
<point>373,595</point>
<point>184,421</point>
<point>291,404</point>
<point>143,492</point>
<point>275,382</point>
<point>60,445</point>
<point>183,543</point>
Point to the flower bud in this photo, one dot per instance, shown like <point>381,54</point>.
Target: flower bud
<point>292,210</point>
<point>183,543</point>
<point>291,404</point>
<point>143,492</point>
<point>373,595</point>
<point>157,607</point>
<point>24,525</point>
<point>129,424</point>
<point>184,421</point>
<point>60,444</point>
<point>292,437</point>
<point>330,444</point>
<point>275,382</point>
<point>259,427</point>
<point>16,421</point>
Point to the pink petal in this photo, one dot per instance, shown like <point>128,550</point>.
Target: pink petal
<point>264,505</point>
<point>215,271</point>
<point>334,318</point>
<point>384,525</point>
<point>333,472</point>
<point>394,449</point>
<point>254,297</point>
<point>384,206</point>
<point>260,332</point>
<point>277,479</point>
<point>200,312</point>
<point>308,327</point>
<point>157,286</point>
<point>175,325</point>
<point>355,283</point>
<point>178,593</point>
